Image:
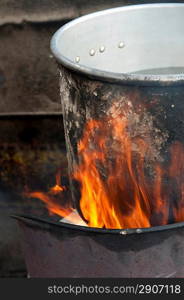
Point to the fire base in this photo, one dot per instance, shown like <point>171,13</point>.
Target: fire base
<point>63,250</point>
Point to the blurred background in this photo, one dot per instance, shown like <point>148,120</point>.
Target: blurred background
<point>32,145</point>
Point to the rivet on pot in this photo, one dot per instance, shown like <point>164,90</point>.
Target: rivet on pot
<point>92,52</point>
<point>102,49</point>
<point>123,232</point>
<point>77,59</point>
<point>121,45</point>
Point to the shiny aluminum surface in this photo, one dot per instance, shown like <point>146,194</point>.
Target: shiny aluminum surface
<point>126,44</point>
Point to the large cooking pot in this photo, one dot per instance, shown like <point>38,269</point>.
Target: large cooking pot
<point>127,63</point>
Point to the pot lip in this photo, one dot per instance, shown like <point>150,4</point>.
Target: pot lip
<point>34,220</point>
<point>124,78</point>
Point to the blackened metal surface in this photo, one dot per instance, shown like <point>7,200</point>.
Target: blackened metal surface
<point>155,114</point>
<point>61,250</point>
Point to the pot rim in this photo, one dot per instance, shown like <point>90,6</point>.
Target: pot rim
<point>34,220</point>
<point>124,78</point>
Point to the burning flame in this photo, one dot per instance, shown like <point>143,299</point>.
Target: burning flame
<point>116,189</point>
<point>54,207</point>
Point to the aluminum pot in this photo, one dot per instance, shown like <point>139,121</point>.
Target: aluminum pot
<point>130,58</point>
<point>54,249</point>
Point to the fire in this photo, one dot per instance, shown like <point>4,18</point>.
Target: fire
<point>121,198</point>
<point>54,207</point>
<point>58,187</point>
<point>116,189</point>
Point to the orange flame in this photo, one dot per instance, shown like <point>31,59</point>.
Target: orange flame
<point>116,191</point>
<point>49,198</point>
<point>119,200</point>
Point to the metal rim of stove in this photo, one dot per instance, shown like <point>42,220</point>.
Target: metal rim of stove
<point>126,78</point>
<point>128,231</point>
